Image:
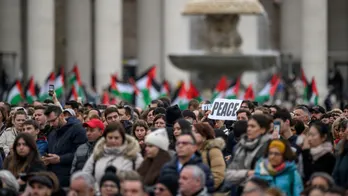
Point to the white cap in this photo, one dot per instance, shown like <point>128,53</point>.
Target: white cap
<point>70,111</point>
<point>158,138</point>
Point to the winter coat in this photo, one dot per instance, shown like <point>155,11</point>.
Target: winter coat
<point>150,169</point>
<point>171,168</point>
<point>203,192</point>
<point>216,161</point>
<point>124,158</point>
<point>42,145</point>
<point>64,142</point>
<point>35,166</point>
<point>288,180</point>
<point>319,159</point>
<point>82,154</point>
<point>340,172</point>
<point>7,139</point>
<point>246,154</point>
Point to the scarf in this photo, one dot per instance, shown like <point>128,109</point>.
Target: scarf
<point>274,170</point>
<point>321,150</point>
<point>116,151</point>
<point>245,146</point>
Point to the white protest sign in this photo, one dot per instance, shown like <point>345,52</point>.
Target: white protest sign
<point>206,106</point>
<point>225,109</point>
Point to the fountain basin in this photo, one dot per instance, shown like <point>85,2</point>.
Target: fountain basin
<point>229,64</point>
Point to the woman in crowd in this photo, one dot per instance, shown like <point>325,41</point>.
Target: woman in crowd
<point>24,158</point>
<point>160,121</point>
<point>110,183</point>
<point>340,172</point>
<point>317,151</point>
<point>139,131</point>
<point>148,116</point>
<point>179,125</point>
<point>211,150</point>
<point>157,155</point>
<point>7,138</point>
<point>248,150</point>
<point>279,169</point>
<point>114,148</point>
<point>3,119</point>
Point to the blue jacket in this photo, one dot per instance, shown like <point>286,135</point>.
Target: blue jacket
<point>64,142</point>
<point>171,168</point>
<point>42,145</point>
<point>287,180</point>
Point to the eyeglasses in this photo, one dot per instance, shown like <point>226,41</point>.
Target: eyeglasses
<point>184,143</point>
<point>276,154</point>
<point>52,120</point>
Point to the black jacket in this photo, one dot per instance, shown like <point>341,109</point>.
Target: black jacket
<point>171,169</point>
<point>64,142</point>
<point>325,163</point>
<point>340,172</point>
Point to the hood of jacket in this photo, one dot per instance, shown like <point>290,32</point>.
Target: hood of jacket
<point>214,143</point>
<point>131,150</point>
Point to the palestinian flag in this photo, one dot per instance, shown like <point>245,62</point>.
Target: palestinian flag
<point>59,83</point>
<point>314,94</point>
<point>105,98</point>
<point>155,89</point>
<point>249,93</point>
<point>269,90</point>
<point>193,93</point>
<point>30,91</point>
<point>50,80</point>
<point>219,91</point>
<point>233,90</point>
<point>76,86</point>
<point>305,87</point>
<point>143,85</point>
<point>121,90</point>
<point>180,96</point>
<point>15,93</point>
<point>165,89</point>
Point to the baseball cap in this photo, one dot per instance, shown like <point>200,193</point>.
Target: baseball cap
<point>41,180</point>
<point>317,109</point>
<point>70,111</point>
<point>94,123</point>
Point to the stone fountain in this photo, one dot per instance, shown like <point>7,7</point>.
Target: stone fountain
<point>222,42</point>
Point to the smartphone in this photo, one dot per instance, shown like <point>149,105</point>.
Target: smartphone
<point>276,128</point>
<point>50,90</point>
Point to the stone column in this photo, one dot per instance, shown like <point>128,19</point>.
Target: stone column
<point>10,37</point>
<point>78,28</point>
<point>149,36</point>
<point>176,38</point>
<point>108,41</point>
<point>314,43</point>
<point>40,39</point>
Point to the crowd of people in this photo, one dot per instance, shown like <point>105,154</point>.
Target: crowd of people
<point>87,150</point>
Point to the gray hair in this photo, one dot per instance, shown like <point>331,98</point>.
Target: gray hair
<point>9,180</point>
<point>88,178</point>
<point>197,173</point>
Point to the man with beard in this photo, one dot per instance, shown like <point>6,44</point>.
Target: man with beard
<point>67,135</point>
<point>316,112</point>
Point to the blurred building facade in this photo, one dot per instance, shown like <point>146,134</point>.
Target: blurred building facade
<point>38,36</point>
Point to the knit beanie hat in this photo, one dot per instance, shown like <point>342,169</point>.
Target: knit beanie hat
<point>110,175</point>
<point>170,183</point>
<point>158,138</point>
<point>173,113</point>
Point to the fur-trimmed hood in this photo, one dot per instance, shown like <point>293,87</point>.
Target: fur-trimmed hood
<point>130,150</point>
<point>214,143</point>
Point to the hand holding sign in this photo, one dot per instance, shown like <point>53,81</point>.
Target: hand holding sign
<point>225,109</point>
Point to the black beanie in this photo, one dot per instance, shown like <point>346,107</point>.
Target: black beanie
<point>171,183</point>
<point>173,113</point>
<point>110,175</point>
